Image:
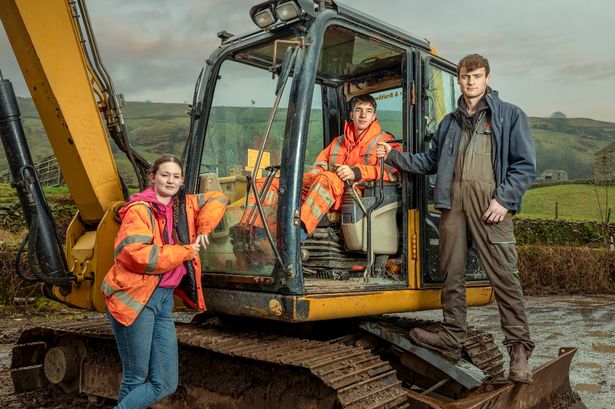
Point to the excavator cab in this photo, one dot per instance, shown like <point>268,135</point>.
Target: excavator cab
<point>268,103</point>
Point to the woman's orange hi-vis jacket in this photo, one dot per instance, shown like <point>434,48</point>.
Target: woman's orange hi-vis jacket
<point>141,257</point>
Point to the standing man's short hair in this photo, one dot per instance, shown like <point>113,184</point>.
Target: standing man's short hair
<point>365,98</point>
<point>473,62</point>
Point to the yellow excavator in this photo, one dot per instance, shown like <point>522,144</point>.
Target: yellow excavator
<point>289,324</point>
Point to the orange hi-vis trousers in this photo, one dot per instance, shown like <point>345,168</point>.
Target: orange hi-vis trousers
<point>321,193</point>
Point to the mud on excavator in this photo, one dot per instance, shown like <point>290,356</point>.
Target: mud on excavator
<point>312,325</point>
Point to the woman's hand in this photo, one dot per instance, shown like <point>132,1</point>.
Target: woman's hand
<point>196,247</point>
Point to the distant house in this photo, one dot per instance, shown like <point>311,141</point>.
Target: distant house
<point>553,175</point>
<point>604,164</point>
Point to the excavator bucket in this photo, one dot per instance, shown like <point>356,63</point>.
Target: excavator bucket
<point>551,389</point>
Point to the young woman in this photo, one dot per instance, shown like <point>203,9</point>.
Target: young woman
<point>156,254</point>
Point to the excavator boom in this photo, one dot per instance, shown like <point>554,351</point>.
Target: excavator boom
<point>67,98</point>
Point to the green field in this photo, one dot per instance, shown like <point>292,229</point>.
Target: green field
<point>574,202</point>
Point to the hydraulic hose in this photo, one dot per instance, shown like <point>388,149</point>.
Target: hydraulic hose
<point>44,249</point>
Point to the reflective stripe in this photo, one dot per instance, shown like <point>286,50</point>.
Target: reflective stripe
<point>371,147</point>
<point>149,213</point>
<point>201,200</point>
<point>321,164</point>
<point>107,289</point>
<point>153,260</point>
<point>221,199</point>
<point>324,195</point>
<point>136,238</point>
<point>271,197</point>
<point>128,301</point>
<point>216,198</point>
<point>335,151</point>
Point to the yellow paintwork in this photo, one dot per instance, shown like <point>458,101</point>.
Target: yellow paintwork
<point>346,305</point>
<point>90,255</point>
<point>414,259</point>
<point>265,161</point>
<point>45,41</point>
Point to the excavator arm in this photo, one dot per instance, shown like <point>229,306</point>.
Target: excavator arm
<point>78,111</point>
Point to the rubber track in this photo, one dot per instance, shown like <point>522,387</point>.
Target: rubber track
<point>361,379</point>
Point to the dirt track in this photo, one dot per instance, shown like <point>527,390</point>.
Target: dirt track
<point>585,322</point>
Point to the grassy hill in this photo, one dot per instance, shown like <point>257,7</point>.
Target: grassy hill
<point>155,128</point>
<point>570,143</point>
<point>574,202</point>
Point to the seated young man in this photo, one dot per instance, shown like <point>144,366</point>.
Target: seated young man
<point>350,157</point>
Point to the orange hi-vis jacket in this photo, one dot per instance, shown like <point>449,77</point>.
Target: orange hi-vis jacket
<point>322,189</point>
<point>141,256</point>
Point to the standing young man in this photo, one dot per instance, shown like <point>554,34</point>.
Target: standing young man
<point>483,155</point>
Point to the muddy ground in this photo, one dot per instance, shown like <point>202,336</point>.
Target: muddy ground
<point>585,322</point>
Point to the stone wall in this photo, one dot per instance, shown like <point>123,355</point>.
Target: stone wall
<point>604,164</point>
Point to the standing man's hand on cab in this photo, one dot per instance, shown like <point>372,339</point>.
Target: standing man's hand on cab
<point>202,240</point>
<point>383,149</point>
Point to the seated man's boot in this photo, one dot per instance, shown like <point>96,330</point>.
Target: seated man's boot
<point>435,342</point>
<point>519,369</point>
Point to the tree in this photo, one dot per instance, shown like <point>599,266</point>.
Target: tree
<point>558,115</point>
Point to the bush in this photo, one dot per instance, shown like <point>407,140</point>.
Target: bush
<point>561,232</point>
<point>11,286</point>
<point>566,270</point>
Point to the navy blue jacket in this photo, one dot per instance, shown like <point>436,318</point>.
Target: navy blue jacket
<point>514,158</point>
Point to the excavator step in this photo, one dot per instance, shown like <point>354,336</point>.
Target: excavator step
<point>462,371</point>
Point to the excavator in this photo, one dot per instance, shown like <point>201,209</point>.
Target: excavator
<point>318,324</point>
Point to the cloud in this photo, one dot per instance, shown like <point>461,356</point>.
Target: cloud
<point>544,55</point>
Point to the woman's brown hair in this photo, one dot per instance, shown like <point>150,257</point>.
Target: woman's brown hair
<point>167,157</point>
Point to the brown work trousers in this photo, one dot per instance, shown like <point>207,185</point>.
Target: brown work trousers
<point>472,192</point>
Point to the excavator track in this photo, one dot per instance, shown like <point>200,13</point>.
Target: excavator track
<point>229,368</point>
<point>354,377</point>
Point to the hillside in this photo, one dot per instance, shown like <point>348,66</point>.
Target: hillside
<point>570,143</point>
<point>155,128</point>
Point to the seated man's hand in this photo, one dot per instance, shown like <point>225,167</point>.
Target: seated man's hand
<point>383,149</point>
<point>345,173</point>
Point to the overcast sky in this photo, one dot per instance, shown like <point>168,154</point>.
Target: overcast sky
<point>546,56</point>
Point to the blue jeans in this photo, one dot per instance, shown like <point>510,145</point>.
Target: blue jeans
<point>148,349</point>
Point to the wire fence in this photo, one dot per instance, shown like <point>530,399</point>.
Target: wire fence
<point>48,171</point>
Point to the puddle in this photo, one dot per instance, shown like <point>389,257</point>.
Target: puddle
<point>590,365</point>
<point>588,387</point>
<point>555,335</point>
<point>604,348</point>
<point>591,303</point>
<point>598,334</point>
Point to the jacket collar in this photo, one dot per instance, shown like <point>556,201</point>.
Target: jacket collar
<point>352,140</point>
